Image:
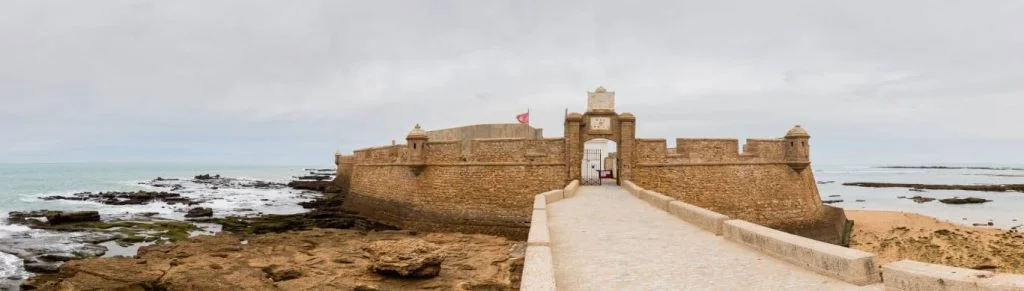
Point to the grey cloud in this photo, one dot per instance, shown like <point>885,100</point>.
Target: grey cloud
<point>291,82</point>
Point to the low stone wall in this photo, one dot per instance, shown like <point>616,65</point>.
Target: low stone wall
<point>909,275</point>
<point>655,199</point>
<point>570,190</point>
<point>834,261</point>
<point>539,268</point>
<point>850,265</point>
<point>633,189</point>
<point>705,219</point>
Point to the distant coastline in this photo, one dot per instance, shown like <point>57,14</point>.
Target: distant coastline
<point>953,168</point>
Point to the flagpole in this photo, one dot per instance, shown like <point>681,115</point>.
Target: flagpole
<point>527,115</point>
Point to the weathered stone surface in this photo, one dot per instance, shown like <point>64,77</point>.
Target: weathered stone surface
<point>321,259</point>
<point>58,217</point>
<point>199,212</point>
<point>406,258</point>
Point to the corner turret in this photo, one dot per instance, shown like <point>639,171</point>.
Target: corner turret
<point>798,152</point>
<point>417,143</point>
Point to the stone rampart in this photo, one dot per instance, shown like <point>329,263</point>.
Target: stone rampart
<point>488,189</point>
<point>756,185</point>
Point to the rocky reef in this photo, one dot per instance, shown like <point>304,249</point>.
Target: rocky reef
<point>324,247</point>
<point>986,188</point>
<point>320,259</point>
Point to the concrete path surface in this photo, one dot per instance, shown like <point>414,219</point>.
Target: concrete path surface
<point>605,239</point>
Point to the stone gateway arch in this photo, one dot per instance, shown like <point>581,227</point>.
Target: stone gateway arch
<point>482,178</point>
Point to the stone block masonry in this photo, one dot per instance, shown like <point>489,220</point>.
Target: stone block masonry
<point>483,178</point>
<point>435,186</point>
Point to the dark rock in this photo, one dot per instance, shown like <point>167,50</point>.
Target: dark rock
<point>989,188</point>
<point>57,257</point>
<point>405,258</point>
<point>310,185</point>
<point>315,177</point>
<point>90,250</point>
<point>200,212</point>
<point>42,267</point>
<point>968,200</point>
<point>60,217</point>
<point>278,273</point>
<point>96,237</point>
<point>124,198</point>
<point>920,199</point>
<point>206,177</point>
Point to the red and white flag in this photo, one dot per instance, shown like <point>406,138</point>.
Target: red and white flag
<point>524,118</point>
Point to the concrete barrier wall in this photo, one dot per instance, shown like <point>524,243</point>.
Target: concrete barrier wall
<point>656,199</point>
<point>554,196</point>
<point>705,219</point>
<point>633,189</point>
<point>850,265</point>
<point>538,270</point>
<point>570,190</point>
<point>539,233</point>
<point>910,275</point>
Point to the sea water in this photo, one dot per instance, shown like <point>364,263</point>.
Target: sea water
<point>1006,209</point>
<point>21,185</point>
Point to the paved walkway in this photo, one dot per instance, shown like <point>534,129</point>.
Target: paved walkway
<point>605,239</point>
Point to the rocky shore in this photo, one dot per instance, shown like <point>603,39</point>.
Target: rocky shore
<point>323,247</point>
<point>894,236</point>
<point>319,259</point>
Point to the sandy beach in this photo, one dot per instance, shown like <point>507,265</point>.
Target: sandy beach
<point>895,236</point>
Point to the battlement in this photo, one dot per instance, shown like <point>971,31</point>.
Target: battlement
<point>711,151</point>
<point>480,150</point>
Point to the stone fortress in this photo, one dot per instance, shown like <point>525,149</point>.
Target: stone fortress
<point>483,178</point>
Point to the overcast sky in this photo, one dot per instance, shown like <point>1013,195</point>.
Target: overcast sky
<point>291,82</point>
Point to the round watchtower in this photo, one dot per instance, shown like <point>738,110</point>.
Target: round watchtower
<point>798,152</point>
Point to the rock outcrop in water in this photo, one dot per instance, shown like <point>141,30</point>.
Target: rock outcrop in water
<point>125,198</point>
<point>987,188</point>
<point>968,200</point>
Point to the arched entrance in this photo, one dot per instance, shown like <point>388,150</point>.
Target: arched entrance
<point>600,122</point>
<point>600,162</point>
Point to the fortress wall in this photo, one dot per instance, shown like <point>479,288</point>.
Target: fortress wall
<point>766,149</point>
<point>343,173</point>
<point>492,199</point>
<point>650,151</point>
<point>508,130</point>
<point>491,193</point>
<point>498,150</point>
<point>444,151</point>
<point>772,195</point>
<point>465,134</point>
<point>708,149</point>
<point>383,154</point>
<point>383,192</point>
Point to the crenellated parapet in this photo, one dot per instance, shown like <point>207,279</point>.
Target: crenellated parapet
<point>792,150</point>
